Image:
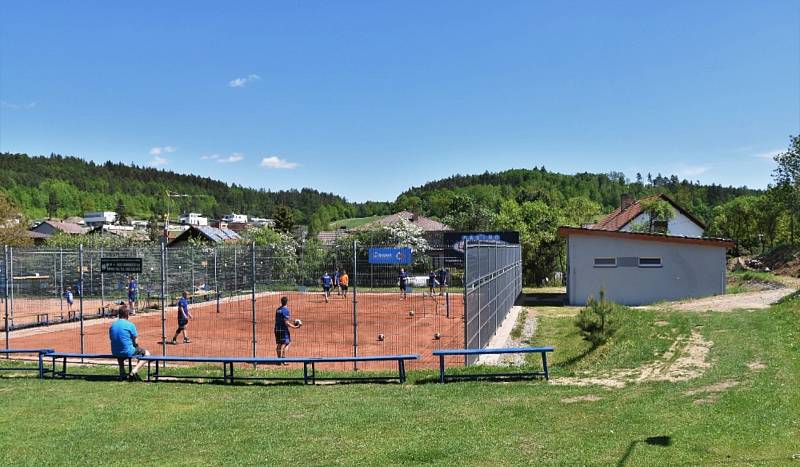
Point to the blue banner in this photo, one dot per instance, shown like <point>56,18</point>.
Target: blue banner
<point>390,256</point>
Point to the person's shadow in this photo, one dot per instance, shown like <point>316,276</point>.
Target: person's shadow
<point>663,441</point>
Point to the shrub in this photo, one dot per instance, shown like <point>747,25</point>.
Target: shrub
<point>596,321</point>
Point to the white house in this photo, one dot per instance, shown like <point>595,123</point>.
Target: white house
<point>629,215</point>
<point>99,218</point>
<point>233,218</point>
<point>193,218</point>
<point>262,222</point>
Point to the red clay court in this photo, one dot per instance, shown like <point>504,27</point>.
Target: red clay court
<point>327,328</point>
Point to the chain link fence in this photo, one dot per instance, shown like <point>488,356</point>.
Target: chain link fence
<point>233,293</point>
<point>493,281</point>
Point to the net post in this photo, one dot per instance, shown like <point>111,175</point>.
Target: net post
<point>355,304</point>
<point>81,290</point>
<point>163,300</point>
<point>5,294</point>
<point>253,292</point>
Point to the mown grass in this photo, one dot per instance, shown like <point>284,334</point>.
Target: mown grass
<point>353,222</point>
<point>475,423</point>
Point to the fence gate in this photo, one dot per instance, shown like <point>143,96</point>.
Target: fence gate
<point>492,282</point>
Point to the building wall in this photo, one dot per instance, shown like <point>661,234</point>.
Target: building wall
<point>680,225</point>
<point>686,270</point>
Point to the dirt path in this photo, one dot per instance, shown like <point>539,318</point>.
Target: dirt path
<point>747,300</point>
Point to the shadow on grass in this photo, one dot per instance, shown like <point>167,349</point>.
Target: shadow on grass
<point>577,358</point>
<point>663,441</point>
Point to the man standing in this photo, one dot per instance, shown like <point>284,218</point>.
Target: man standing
<point>183,318</point>
<point>69,298</point>
<point>327,281</point>
<point>282,324</point>
<point>431,283</point>
<point>442,280</point>
<point>402,281</point>
<point>336,284</point>
<point>133,292</point>
<point>344,282</point>
<point>122,334</point>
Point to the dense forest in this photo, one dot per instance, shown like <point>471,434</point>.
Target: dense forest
<point>58,186</point>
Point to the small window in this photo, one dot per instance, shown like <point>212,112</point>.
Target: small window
<point>605,262</point>
<point>649,262</point>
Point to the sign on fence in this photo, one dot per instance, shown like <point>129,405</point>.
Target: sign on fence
<point>390,256</point>
<point>121,265</point>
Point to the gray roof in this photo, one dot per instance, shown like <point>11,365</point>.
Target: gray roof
<point>216,234</point>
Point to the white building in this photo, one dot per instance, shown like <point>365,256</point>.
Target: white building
<point>235,218</point>
<point>99,218</point>
<point>262,222</point>
<point>193,218</point>
<point>629,216</point>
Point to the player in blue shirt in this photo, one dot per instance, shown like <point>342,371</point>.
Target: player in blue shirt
<point>336,281</point>
<point>183,318</point>
<point>69,298</point>
<point>282,324</point>
<point>122,335</point>
<point>402,281</point>
<point>431,283</point>
<point>442,281</point>
<point>133,292</point>
<point>327,282</point>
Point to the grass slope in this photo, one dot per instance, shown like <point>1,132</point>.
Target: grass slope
<point>353,222</point>
<point>755,422</point>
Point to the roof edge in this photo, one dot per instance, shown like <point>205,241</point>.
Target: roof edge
<point>566,231</point>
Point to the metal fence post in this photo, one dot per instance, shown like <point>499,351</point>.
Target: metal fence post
<point>253,272</point>
<point>495,281</point>
<point>6,280</point>
<point>11,279</point>
<point>355,304</point>
<point>61,278</point>
<point>235,273</point>
<point>163,300</point>
<point>216,282</point>
<point>191,272</point>
<point>102,283</point>
<point>466,302</point>
<point>81,290</point>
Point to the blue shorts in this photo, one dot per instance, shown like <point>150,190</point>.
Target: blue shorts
<point>132,296</point>
<point>282,337</point>
<point>182,323</point>
<point>326,289</point>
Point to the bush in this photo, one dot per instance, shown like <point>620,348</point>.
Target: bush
<point>596,321</point>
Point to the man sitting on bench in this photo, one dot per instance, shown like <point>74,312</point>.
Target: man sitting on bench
<point>123,344</point>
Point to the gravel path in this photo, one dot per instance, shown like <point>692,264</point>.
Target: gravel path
<point>747,300</point>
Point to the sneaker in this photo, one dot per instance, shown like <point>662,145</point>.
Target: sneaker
<point>187,341</point>
<point>173,342</point>
<point>134,377</point>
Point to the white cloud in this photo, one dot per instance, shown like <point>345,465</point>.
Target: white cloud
<point>157,151</point>
<point>242,82</point>
<point>210,158</point>
<point>235,157</point>
<point>692,170</point>
<point>11,105</point>
<point>158,161</point>
<point>769,155</point>
<point>275,162</point>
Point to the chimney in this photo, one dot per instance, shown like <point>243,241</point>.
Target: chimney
<point>625,201</point>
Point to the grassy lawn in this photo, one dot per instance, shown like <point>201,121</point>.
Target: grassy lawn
<point>754,420</point>
<point>749,281</point>
<point>352,222</point>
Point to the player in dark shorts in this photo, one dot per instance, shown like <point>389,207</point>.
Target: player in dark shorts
<point>282,324</point>
<point>442,281</point>
<point>327,283</point>
<point>336,281</point>
<point>183,318</point>
<point>344,282</point>
<point>432,283</point>
<point>402,281</point>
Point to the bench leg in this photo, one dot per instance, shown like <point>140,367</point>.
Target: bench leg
<point>544,365</point>
<point>155,376</point>
<point>53,372</point>
<point>231,372</point>
<point>441,369</point>
<point>313,374</point>
<point>305,372</point>
<point>64,368</point>
<point>41,366</point>
<point>402,366</point>
<point>148,370</point>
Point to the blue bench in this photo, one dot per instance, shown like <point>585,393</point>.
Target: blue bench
<point>39,352</point>
<point>64,356</point>
<point>308,376</point>
<point>511,350</point>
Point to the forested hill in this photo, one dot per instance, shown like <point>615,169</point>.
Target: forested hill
<point>490,189</point>
<point>60,186</point>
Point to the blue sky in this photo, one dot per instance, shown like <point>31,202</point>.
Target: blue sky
<point>366,99</point>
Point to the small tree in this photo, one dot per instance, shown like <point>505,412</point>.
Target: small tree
<point>657,211</point>
<point>13,227</point>
<point>787,176</point>
<point>595,321</point>
<point>122,212</point>
<point>284,218</point>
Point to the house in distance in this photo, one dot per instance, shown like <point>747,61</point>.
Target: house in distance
<point>645,251</point>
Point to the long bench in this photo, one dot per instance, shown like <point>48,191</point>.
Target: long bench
<point>308,376</point>
<point>64,356</point>
<point>510,350</point>
<point>39,352</point>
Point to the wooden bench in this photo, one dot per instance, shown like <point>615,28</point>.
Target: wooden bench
<point>308,376</point>
<point>63,356</point>
<point>39,352</point>
<point>42,318</point>
<point>511,350</point>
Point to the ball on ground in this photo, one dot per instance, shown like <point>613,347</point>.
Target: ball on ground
<point>411,313</point>
<point>381,337</point>
<point>297,322</point>
<point>437,336</point>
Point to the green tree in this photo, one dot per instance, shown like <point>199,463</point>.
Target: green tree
<point>122,212</point>
<point>467,215</point>
<point>657,211</point>
<point>13,226</point>
<point>284,218</point>
<point>52,204</point>
<point>787,177</point>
